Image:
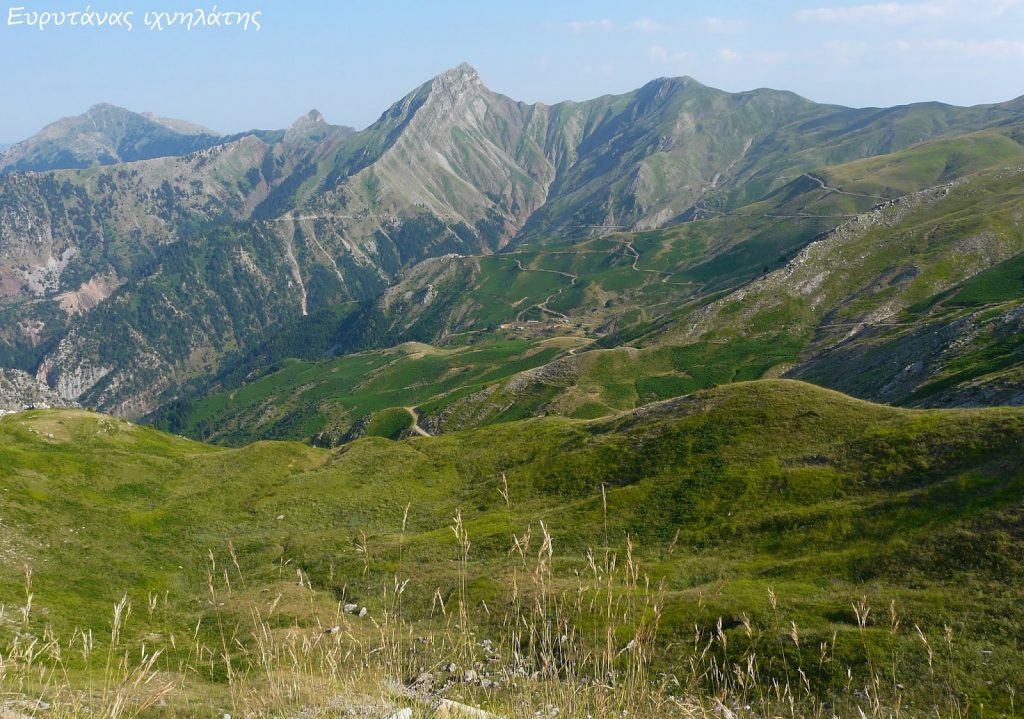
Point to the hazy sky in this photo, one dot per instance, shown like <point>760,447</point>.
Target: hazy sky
<point>351,60</point>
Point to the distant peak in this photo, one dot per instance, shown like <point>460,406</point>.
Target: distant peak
<point>682,81</point>
<point>103,108</point>
<point>310,119</point>
<point>311,127</point>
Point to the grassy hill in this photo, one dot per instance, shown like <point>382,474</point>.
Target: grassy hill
<point>354,394</point>
<point>767,517</point>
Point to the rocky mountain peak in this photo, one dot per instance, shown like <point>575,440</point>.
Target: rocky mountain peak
<point>666,85</point>
<point>312,127</point>
<point>457,81</point>
<point>312,118</point>
<point>433,103</point>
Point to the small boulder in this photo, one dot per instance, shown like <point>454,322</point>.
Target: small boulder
<point>447,709</point>
<point>424,680</point>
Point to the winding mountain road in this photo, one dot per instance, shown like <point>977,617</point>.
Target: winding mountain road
<point>543,306</point>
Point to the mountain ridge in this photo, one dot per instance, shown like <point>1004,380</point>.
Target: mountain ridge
<point>321,216</point>
<point>104,134</point>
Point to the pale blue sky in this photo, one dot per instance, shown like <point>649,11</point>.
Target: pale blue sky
<point>351,59</point>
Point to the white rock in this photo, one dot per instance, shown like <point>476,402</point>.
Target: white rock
<point>447,709</point>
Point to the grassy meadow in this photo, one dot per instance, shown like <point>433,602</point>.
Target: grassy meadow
<point>763,548</point>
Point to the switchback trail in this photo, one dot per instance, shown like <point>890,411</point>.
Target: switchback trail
<point>842,192</point>
<point>414,413</point>
<point>543,306</point>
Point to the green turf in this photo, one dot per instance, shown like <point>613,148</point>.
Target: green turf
<point>725,494</point>
<point>302,399</point>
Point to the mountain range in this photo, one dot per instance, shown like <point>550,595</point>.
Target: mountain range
<point>677,402</point>
<point>147,262</point>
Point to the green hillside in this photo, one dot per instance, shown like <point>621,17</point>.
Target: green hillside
<point>333,400</point>
<point>827,504</point>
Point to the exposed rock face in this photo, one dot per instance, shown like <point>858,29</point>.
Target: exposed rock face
<point>20,391</point>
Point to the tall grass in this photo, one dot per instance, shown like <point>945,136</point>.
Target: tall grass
<point>580,639</point>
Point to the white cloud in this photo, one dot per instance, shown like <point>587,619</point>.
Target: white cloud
<point>722,24</point>
<point>662,56</point>
<point>770,58</point>
<point>707,24</point>
<point>846,47</point>
<point>878,12</point>
<point>994,48</point>
<point>652,25</point>
<point>1004,6</point>
<point>991,9</point>
<point>727,54</point>
<point>645,24</point>
<point>582,26</point>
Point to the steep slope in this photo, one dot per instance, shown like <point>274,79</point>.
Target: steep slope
<point>90,255</point>
<point>861,308</point>
<point>451,149</point>
<point>849,134</point>
<point>676,149</point>
<point>639,160</point>
<point>961,347</point>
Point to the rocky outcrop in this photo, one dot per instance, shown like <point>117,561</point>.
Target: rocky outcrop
<point>20,391</point>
